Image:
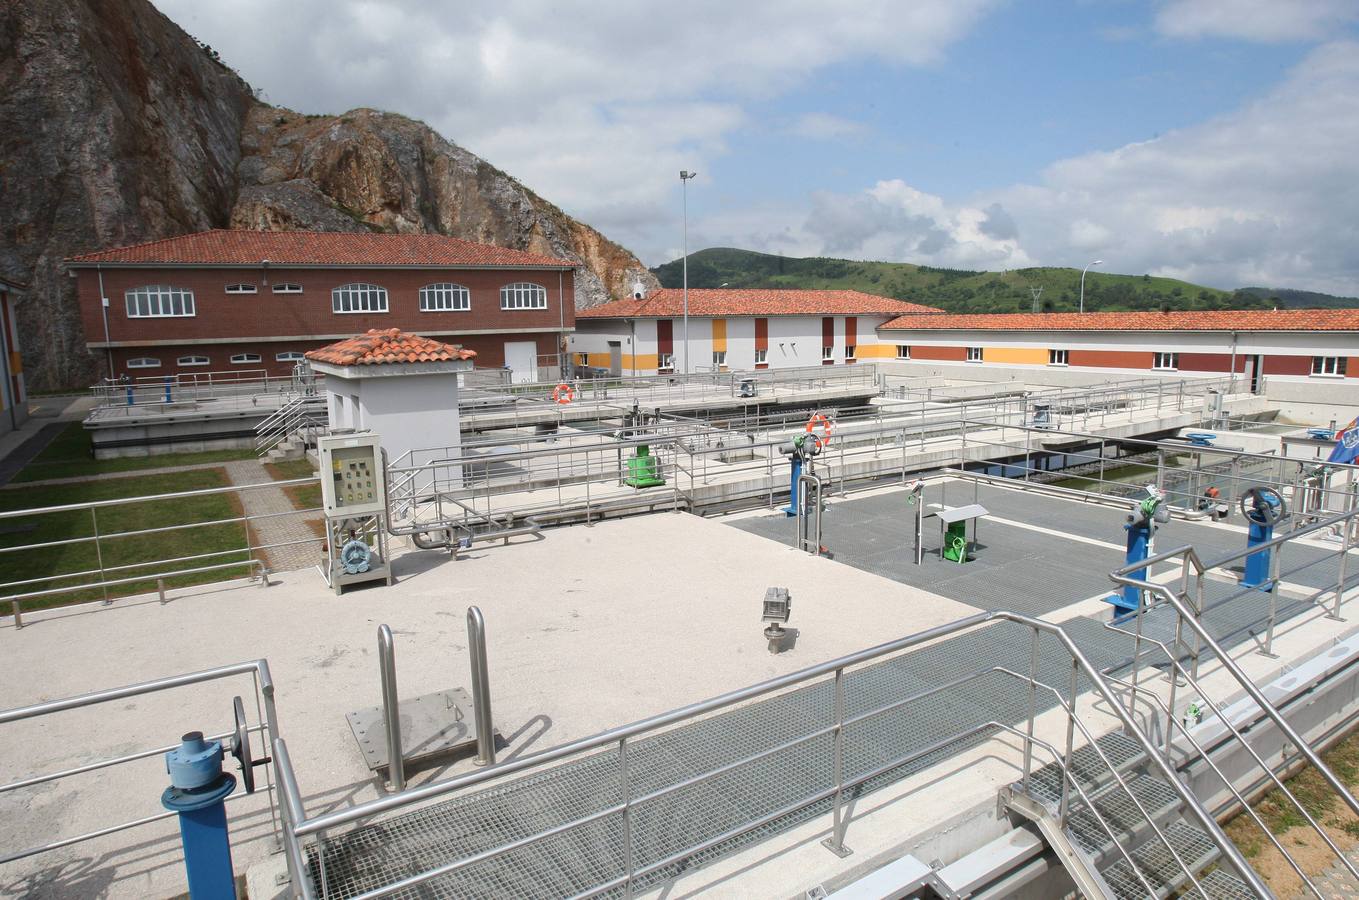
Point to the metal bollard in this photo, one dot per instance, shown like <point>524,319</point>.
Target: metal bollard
<point>481,687</point>
<point>391,709</point>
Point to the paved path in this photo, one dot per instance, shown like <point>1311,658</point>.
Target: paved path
<point>1336,883</point>
<point>278,529</point>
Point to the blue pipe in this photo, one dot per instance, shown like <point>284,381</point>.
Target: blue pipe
<point>198,791</point>
<point>791,509</point>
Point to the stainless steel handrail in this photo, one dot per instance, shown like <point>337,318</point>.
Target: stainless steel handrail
<point>362,812</point>
<point>481,686</point>
<point>391,710</point>
<point>264,687</point>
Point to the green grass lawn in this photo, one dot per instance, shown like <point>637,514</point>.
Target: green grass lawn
<point>70,456</point>
<point>51,563</point>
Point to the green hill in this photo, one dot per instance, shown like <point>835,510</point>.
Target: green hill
<point>959,290</point>
<point>1287,297</point>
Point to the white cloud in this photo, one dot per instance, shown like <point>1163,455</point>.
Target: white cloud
<point>1267,21</point>
<point>821,126</point>
<point>596,106</point>
<point>1266,195</point>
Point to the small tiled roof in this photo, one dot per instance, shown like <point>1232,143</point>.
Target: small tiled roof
<point>669,302</point>
<point>1174,320</point>
<point>233,247</point>
<point>390,345</point>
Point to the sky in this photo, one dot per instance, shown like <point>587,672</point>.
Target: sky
<point>1211,140</point>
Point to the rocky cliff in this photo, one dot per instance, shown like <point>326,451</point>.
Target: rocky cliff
<point>117,127</point>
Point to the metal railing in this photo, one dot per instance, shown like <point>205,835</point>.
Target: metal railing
<point>266,725</point>
<point>304,833</point>
<point>303,416</point>
<point>104,579</point>
<point>1188,607</point>
<point>239,387</point>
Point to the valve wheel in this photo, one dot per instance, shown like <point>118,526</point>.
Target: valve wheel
<point>240,746</point>
<point>1266,505</point>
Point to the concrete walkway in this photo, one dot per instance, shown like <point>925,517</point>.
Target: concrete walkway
<point>279,529</point>
<point>1336,883</point>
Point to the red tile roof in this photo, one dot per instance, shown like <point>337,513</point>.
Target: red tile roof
<point>391,345</point>
<point>225,247</point>
<point>669,302</point>
<point>1175,320</point>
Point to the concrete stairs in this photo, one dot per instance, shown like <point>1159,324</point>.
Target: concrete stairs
<point>1115,847</point>
<point>294,446</point>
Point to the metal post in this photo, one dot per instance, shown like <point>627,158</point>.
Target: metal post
<point>18,614</point>
<point>481,687</point>
<point>391,709</point>
<point>99,554</point>
<point>1062,803</point>
<point>625,790</point>
<point>836,842</point>
<point>1033,710</point>
<point>1344,557</point>
<point>1268,649</point>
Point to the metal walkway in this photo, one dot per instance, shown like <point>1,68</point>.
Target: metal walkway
<point>587,855</point>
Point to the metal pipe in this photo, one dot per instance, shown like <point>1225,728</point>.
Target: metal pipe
<point>481,687</point>
<point>391,709</point>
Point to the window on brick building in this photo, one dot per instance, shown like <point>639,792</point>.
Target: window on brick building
<point>850,350</point>
<point>288,356</point>
<point>143,362</point>
<point>974,354</point>
<point>828,353</point>
<point>903,351</point>
<point>192,361</point>
<point>156,301</point>
<point>241,288</point>
<point>445,297</point>
<point>288,287</point>
<point>1058,357</point>
<point>1165,361</point>
<point>358,298</point>
<point>241,359</point>
<point>761,357</point>
<point>523,295</point>
<point>1333,366</point>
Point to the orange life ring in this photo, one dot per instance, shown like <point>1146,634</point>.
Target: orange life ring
<point>563,393</point>
<point>825,428</point>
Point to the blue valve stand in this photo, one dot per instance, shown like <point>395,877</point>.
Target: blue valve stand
<point>791,509</point>
<point>198,791</point>
<point>1127,599</point>
<point>1257,564</point>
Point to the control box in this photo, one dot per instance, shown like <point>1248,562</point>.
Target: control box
<point>351,475</point>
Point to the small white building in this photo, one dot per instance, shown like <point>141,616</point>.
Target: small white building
<point>401,386</point>
<point>735,328</point>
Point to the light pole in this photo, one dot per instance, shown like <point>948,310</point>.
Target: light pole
<point>1098,262</point>
<point>684,184</point>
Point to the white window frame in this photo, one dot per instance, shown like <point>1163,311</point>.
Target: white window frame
<point>292,356</point>
<point>245,359</point>
<point>851,351</point>
<point>445,296</point>
<point>242,288</point>
<point>357,298</point>
<point>143,362</point>
<point>287,287</point>
<point>1160,358</point>
<point>903,351</point>
<point>720,359</point>
<point>974,354</point>
<point>762,357</point>
<point>159,301</point>
<point>665,361</point>
<point>523,295</point>
<point>1059,357</point>
<point>828,352</point>
<point>1329,366</point>
<point>194,360</point>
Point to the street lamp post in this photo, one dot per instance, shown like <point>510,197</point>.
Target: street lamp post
<point>684,183</point>
<point>1098,262</point>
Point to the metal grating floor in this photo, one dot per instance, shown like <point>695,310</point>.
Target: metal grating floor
<point>588,855</point>
<point>1011,568</point>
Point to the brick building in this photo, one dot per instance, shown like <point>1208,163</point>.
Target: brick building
<point>258,300</point>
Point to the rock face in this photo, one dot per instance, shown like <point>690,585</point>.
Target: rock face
<point>117,127</point>
<point>374,170</point>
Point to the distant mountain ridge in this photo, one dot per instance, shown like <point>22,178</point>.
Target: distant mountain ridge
<point>962,290</point>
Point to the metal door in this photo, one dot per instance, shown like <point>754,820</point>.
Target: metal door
<point>521,358</point>
<point>615,357</point>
